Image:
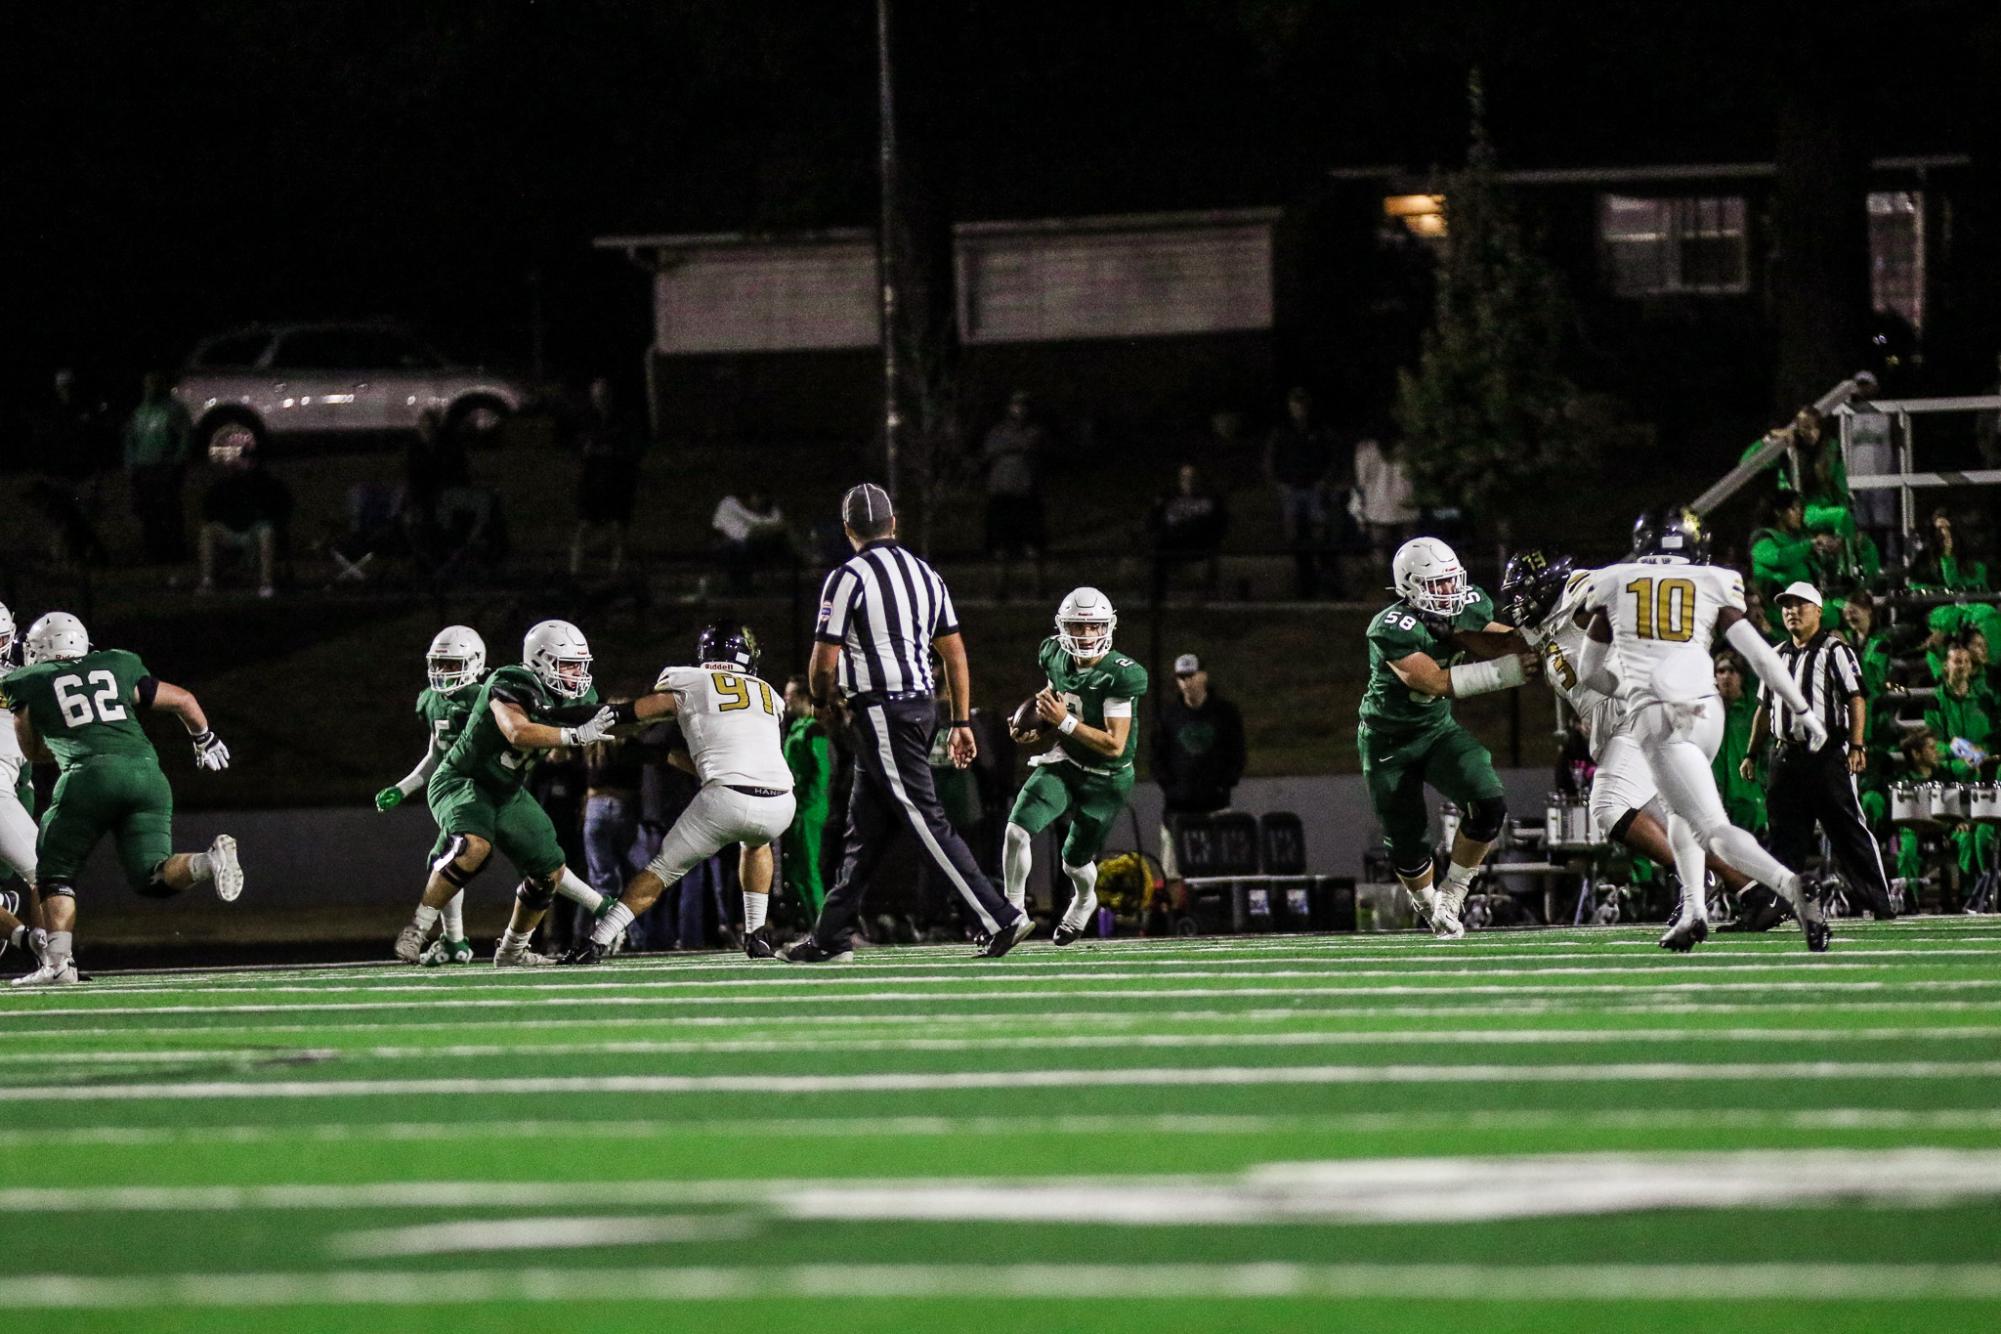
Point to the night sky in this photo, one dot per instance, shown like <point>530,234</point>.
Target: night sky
<point>176,168</point>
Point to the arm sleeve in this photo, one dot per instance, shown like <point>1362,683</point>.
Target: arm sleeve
<point>145,689</point>
<point>1744,637</point>
<point>1116,707</point>
<point>1847,671</point>
<point>413,782</point>
<point>1594,667</point>
<point>836,605</point>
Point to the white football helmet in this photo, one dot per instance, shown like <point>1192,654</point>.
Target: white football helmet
<point>1429,576</point>
<point>56,637</point>
<point>1084,623</point>
<point>456,658</point>
<point>558,653</point>
<point>6,632</point>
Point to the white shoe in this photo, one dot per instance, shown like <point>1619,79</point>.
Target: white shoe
<point>1452,902</point>
<point>410,943</point>
<point>1077,919</point>
<point>47,976</point>
<point>1424,903</point>
<point>519,956</point>
<point>224,869</point>
<point>1445,926</point>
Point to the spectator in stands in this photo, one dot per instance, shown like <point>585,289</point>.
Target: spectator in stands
<point>1187,526</point>
<point>609,442</point>
<point>1197,755</point>
<point>1300,465</point>
<point>1782,553</point>
<point>157,440</point>
<point>1740,781</point>
<point>1872,646</point>
<point>752,533</point>
<point>1012,455</point>
<point>1935,562</point>
<point>244,510</point>
<point>1957,718</point>
<point>1384,504</point>
<point>809,757</point>
<point>1823,479</point>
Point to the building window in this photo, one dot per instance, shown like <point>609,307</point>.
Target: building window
<point>1657,247</point>
<point>1897,254</point>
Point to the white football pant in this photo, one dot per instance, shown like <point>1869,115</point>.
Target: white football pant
<point>716,818</point>
<point>1680,742</point>
<point>17,830</point>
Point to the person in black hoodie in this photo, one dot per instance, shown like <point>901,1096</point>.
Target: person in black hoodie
<point>1198,752</point>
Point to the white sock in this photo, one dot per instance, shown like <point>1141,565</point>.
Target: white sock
<point>1737,848</point>
<point>511,941</point>
<point>616,918</point>
<point>57,952</point>
<point>1017,855</point>
<point>199,868</point>
<point>572,887</point>
<point>425,918</point>
<point>1084,879</point>
<point>754,906</point>
<point>1459,877</point>
<point>1691,867</point>
<point>455,917</point>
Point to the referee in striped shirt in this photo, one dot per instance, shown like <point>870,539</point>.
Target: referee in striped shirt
<point>1808,786</point>
<point>880,614</point>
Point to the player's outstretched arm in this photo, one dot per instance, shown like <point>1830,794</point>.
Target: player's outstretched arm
<point>410,784</point>
<point>1422,673</point>
<point>523,733</point>
<point>166,697</point>
<point>1751,646</point>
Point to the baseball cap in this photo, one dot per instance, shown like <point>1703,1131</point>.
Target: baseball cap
<point>1802,590</point>
<point>865,505</point>
<point>1187,665</point>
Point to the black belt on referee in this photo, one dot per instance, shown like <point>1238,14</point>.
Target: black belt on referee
<point>888,696</point>
<point>760,791</point>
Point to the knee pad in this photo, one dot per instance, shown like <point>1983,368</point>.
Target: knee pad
<point>448,867</point>
<point>1415,870</point>
<point>1483,819</point>
<point>56,889</point>
<point>1616,832</point>
<point>535,896</point>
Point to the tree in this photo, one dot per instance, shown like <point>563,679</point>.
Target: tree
<point>1491,422</point>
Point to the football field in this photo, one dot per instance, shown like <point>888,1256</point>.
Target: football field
<point>1547,1130</point>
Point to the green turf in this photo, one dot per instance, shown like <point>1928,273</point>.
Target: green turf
<point>1271,1133</point>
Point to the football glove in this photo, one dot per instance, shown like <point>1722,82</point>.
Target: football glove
<point>210,753</point>
<point>597,729</point>
<point>1812,731</point>
<point>389,798</point>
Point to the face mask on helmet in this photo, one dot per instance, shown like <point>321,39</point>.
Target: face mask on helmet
<point>1085,638</point>
<point>1442,594</point>
<point>569,677</point>
<point>450,672</point>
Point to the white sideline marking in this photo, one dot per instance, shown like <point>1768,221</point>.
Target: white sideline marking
<point>914,1082</point>
<point>1472,1121</point>
<point>474,1237</point>
<point>1182,1281</point>
<point>1531,1037</point>
<point>1634,989</point>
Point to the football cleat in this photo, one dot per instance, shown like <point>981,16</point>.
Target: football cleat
<point>410,943</point>
<point>1445,926</point>
<point>442,951</point>
<point>1452,902</point>
<point>757,944</point>
<point>224,868</point>
<point>808,950</point>
<point>518,956</point>
<point>586,952</point>
<point>1076,919</point>
<point>1685,935</point>
<point>1813,918</point>
<point>1006,938</point>
<point>1423,904</point>
<point>50,976</point>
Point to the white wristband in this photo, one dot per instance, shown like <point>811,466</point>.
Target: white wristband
<point>1068,725</point>
<point>569,736</point>
<point>1481,678</point>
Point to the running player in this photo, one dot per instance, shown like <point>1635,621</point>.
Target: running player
<point>1408,737</point>
<point>1540,596</point>
<point>477,793</point>
<point>77,706</point>
<point>732,724</point>
<point>1649,626</point>
<point>455,664</point>
<point>1090,698</point>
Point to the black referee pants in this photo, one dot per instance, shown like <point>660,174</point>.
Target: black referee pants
<point>893,791</point>
<point>1808,787</point>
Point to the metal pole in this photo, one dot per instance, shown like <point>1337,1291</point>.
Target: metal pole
<point>885,242</point>
<point>1908,508</point>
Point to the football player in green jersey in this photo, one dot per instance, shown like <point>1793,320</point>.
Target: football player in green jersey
<point>455,663</point>
<point>1089,701</point>
<point>78,707</point>
<point>477,793</point>
<point>1408,737</point>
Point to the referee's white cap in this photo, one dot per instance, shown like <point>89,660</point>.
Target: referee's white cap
<point>865,505</point>
<point>1802,590</point>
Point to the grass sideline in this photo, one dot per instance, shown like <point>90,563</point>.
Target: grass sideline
<point>1550,1130</point>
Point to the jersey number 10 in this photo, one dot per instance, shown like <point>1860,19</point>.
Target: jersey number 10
<point>736,691</point>
<point>81,707</point>
<point>1665,609</point>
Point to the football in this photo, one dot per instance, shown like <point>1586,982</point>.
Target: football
<point>1024,721</point>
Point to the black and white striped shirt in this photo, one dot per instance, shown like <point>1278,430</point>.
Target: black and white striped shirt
<point>884,607</point>
<point>1827,673</point>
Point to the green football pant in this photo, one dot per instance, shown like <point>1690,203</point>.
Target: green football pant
<point>1397,769</point>
<point>801,846</point>
<point>126,797</point>
<point>1092,800</point>
<point>517,828</point>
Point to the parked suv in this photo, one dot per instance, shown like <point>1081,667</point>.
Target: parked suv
<point>333,380</point>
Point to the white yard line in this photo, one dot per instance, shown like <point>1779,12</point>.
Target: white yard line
<point>921,1081</point>
<point>1019,1042</point>
<point>1621,1284</point>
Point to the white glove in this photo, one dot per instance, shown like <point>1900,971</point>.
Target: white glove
<point>1812,730</point>
<point>597,729</point>
<point>210,753</point>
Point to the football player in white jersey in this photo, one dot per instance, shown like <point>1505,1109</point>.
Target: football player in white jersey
<point>1649,623</point>
<point>17,827</point>
<point>1540,595</point>
<point>733,724</point>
